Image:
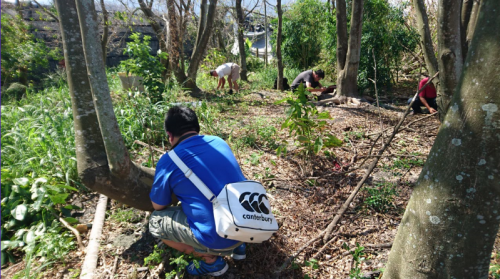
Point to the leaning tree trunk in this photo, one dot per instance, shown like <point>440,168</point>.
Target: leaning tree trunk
<point>450,59</point>
<point>241,42</point>
<point>102,159</point>
<point>347,79</point>
<point>425,37</point>
<point>278,45</point>
<point>201,46</point>
<point>453,216</point>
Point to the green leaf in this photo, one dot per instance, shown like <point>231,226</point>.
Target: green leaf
<point>332,141</point>
<point>23,181</point>
<point>318,144</point>
<point>302,139</point>
<point>38,196</point>
<point>7,244</point>
<point>324,115</point>
<point>20,212</point>
<point>59,198</point>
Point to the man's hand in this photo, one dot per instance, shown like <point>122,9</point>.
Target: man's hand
<point>432,110</point>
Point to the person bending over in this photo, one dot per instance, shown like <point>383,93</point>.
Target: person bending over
<point>190,227</point>
<point>311,79</point>
<point>232,71</point>
<point>426,97</point>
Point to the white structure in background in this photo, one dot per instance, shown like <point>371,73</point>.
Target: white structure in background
<point>258,39</point>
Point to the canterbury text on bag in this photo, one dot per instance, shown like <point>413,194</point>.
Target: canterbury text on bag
<point>241,210</point>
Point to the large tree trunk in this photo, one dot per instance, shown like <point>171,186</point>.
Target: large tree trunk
<point>425,37</point>
<point>347,79</point>
<point>241,42</point>
<point>453,216</point>
<point>450,60</point>
<point>278,46</point>
<point>102,159</point>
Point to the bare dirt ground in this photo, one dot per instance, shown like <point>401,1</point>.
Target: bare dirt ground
<point>305,193</point>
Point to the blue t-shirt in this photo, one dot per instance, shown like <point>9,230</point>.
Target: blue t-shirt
<point>212,160</point>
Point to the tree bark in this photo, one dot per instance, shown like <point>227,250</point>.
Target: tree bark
<point>102,160</point>
<point>453,216</point>
<point>241,42</point>
<point>201,47</point>
<point>464,22</point>
<point>278,45</point>
<point>347,78</point>
<point>425,37</point>
<point>342,38</point>
<point>450,60</point>
<point>471,26</point>
<point>105,32</point>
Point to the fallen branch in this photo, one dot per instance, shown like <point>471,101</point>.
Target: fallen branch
<point>90,262</point>
<point>402,129</point>
<point>71,228</point>
<point>372,166</point>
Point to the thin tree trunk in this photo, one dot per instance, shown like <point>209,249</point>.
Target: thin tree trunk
<point>241,42</point>
<point>278,46</point>
<point>450,60</point>
<point>453,216</point>
<point>103,166</point>
<point>425,36</point>
<point>201,47</point>
<point>265,28</point>
<point>173,49</point>
<point>105,32</point>
<point>348,75</point>
<point>342,38</point>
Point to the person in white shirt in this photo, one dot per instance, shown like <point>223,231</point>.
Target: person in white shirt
<point>232,71</point>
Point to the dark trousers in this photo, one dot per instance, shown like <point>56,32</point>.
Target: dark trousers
<point>418,104</point>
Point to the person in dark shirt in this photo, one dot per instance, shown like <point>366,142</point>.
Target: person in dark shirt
<point>311,79</point>
<point>426,97</point>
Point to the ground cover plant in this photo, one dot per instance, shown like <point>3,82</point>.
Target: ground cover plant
<point>304,191</point>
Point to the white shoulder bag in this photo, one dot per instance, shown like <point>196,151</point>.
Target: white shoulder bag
<point>241,210</point>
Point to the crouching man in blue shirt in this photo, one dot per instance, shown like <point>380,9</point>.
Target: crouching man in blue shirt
<point>190,228</point>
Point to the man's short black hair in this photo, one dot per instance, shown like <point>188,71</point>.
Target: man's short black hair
<point>320,73</point>
<point>180,120</point>
<point>212,73</point>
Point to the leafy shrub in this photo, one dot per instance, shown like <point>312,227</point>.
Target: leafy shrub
<point>15,91</point>
<point>145,65</point>
<point>306,123</point>
<point>21,54</point>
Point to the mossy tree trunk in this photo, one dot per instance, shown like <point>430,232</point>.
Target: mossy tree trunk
<point>102,158</point>
<point>453,216</point>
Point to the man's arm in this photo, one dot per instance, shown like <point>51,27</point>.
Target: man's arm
<point>424,101</point>
<point>311,89</point>
<point>158,207</point>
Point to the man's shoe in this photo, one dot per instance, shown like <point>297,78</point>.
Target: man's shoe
<point>216,268</point>
<point>239,253</point>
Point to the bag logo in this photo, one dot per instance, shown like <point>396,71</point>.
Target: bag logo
<point>254,202</point>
